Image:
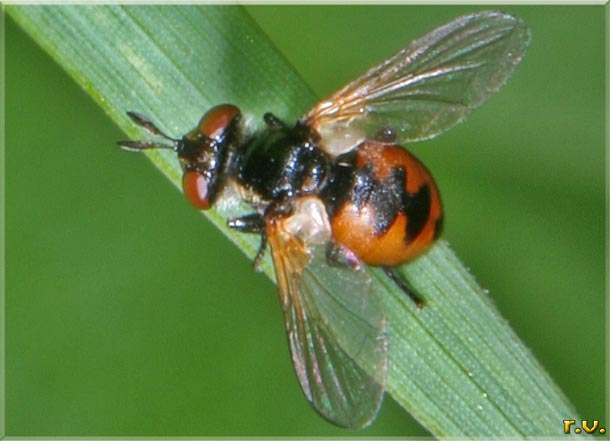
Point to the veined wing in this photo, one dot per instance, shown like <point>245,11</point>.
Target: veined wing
<point>426,88</point>
<point>335,325</point>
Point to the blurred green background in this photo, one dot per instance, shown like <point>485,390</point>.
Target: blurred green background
<point>128,314</point>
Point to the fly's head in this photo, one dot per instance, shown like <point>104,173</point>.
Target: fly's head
<point>202,152</point>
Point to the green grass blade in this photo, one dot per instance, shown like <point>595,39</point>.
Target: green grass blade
<point>455,365</point>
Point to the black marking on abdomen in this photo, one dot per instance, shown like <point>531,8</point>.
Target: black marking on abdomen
<point>438,227</point>
<point>417,209</point>
<point>387,199</point>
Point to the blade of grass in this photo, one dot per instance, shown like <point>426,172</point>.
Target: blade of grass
<point>455,365</point>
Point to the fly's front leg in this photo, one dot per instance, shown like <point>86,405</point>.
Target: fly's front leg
<point>252,223</point>
<point>273,121</point>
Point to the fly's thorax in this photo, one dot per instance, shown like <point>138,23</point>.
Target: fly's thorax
<point>281,163</point>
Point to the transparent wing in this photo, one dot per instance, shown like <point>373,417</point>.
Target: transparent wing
<point>335,324</point>
<point>429,86</point>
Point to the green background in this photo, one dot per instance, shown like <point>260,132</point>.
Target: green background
<point>128,314</point>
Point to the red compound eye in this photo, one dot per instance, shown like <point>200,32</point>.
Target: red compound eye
<point>216,120</point>
<point>195,188</point>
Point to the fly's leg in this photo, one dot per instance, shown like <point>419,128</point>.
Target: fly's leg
<point>252,223</point>
<point>256,223</point>
<point>341,256</point>
<point>273,121</point>
<point>256,263</point>
<point>400,282</point>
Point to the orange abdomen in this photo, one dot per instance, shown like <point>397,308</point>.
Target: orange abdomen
<point>393,211</point>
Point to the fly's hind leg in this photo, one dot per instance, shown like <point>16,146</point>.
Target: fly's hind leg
<point>400,282</point>
<point>252,223</point>
<point>339,255</point>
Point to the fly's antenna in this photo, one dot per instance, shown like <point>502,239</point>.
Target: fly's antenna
<point>142,121</point>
